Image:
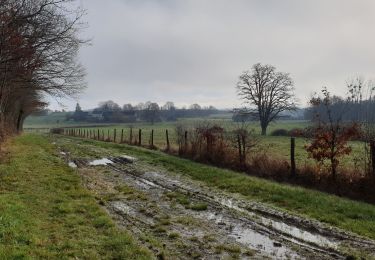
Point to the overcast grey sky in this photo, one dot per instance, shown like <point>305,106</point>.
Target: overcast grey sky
<point>192,51</point>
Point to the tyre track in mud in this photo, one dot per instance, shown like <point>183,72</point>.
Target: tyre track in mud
<point>267,232</point>
<point>309,244</point>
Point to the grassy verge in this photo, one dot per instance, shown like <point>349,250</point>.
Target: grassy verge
<point>45,213</point>
<point>350,215</point>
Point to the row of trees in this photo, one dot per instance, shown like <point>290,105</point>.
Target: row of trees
<point>110,111</point>
<point>169,105</point>
<point>38,48</point>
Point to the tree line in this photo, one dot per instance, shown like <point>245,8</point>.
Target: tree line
<point>38,48</point>
<point>152,112</point>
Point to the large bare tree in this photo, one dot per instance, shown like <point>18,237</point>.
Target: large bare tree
<point>38,49</point>
<point>267,92</point>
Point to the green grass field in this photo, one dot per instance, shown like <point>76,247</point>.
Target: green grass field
<point>47,214</point>
<point>160,128</point>
<point>277,146</point>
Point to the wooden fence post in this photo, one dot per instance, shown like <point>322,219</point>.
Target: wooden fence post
<point>292,156</point>
<point>167,137</point>
<point>239,149</point>
<point>98,136</point>
<point>372,152</point>
<point>122,135</point>
<point>114,135</point>
<point>186,134</point>
<point>131,136</point>
<point>140,137</point>
<point>152,138</point>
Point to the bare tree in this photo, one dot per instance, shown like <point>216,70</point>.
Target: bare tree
<point>169,106</point>
<point>127,107</point>
<point>268,92</point>
<point>109,106</point>
<point>38,49</point>
<point>195,107</point>
<point>151,113</point>
<point>361,96</point>
<point>244,140</point>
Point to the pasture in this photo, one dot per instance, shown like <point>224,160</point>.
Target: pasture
<point>277,146</point>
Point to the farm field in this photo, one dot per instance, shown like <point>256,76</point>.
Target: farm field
<point>278,146</point>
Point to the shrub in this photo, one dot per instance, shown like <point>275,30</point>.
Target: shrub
<point>280,132</point>
<point>59,131</point>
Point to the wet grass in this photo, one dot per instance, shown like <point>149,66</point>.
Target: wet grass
<point>199,206</point>
<point>350,215</point>
<point>47,214</point>
<point>186,202</point>
<point>131,193</point>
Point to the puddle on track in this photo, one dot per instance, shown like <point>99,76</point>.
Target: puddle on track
<point>72,165</point>
<point>103,161</point>
<point>283,227</point>
<point>250,237</point>
<point>295,232</point>
<point>245,233</point>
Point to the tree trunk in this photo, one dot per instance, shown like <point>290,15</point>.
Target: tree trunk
<point>372,151</point>
<point>333,168</point>
<point>264,125</point>
<point>264,130</point>
<point>19,121</point>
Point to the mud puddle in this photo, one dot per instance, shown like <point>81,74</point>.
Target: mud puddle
<point>103,161</point>
<point>72,165</point>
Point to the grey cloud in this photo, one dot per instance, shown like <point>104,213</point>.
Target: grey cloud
<point>193,51</point>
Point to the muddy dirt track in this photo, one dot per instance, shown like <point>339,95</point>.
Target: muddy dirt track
<point>178,218</point>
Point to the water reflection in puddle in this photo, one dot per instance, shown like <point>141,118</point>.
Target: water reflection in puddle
<point>283,227</point>
<point>103,161</point>
<point>246,235</point>
<point>72,165</point>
